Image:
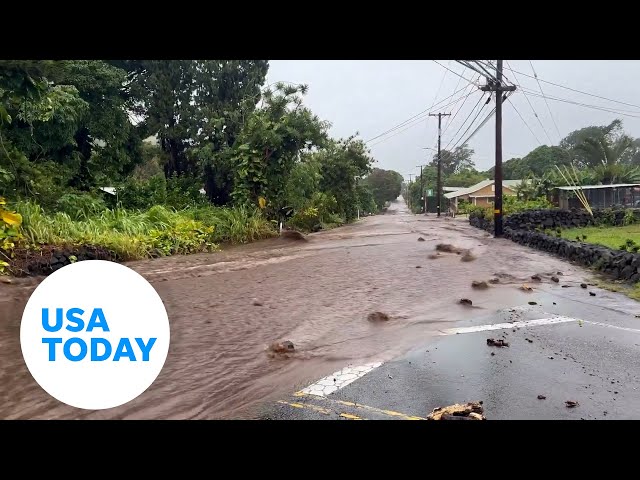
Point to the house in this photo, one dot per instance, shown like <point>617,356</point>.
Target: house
<point>481,194</point>
<point>598,196</point>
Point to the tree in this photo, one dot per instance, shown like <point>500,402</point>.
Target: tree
<point>465,178</point>
<point>342,161</point>
<point>605,149</point>
<point>226,94</point>
<point>268,146</point>
<point>455,161</point>
<point>385,185</point>
<point>536,163</point>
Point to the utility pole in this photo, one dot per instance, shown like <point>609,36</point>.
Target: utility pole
<point>423,194</point>
<point>409,191</point>
<point>500,96</point>
<point>439,182</point>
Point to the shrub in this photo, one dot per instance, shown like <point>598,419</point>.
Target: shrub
<point>9,233</point>
<point>629,217</point>
<point>80,206</point>
<point>142,194</point>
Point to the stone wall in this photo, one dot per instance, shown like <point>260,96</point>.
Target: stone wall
<point>524,228</point>
<point>50,259</point>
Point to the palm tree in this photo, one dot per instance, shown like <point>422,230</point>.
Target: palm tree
<point>607,155</point>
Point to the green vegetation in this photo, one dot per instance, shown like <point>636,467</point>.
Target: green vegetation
<point>511,205</point>
<point>159,133</point>
<point>601,154</point>
<point>618,238</point>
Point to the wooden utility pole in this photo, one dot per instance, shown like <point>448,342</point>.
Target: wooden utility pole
<point>423,194</point>
<point>409,191</point>
<point>439,181</point>
<point>499,89</point>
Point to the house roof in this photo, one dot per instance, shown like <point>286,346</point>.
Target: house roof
<point>479,186</point>
<point>594,187</point>
<point>451,189</point>
<point>109,190</point>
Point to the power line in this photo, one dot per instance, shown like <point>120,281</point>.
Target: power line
<point>576,90</point>
<point>402,124</point>
<point>408,125</point>
<point>533,109</point>
<point>594,107</point>
<point>450,122</point>
<point>469,116</point>
<point>524,121</point>
<point>455,88</point>
<point>455,73</point>
<point>482,72</point>
<point>545,100</point>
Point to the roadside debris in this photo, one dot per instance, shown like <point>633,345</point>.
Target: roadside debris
<point>418,266</point>
<point>468,256</point>
<point>583,285</point>
<point>378,317</point>
<point>448,248</point>
<point>566,286</point>
<point>555,279</point>
<point>494,280</point>
<point>257,302</point>
<point>479,284</point>
<point>559,273</point>
<point>492,342</point>
<point>420,239</point>
<point>282,347</point>
<point>533,303</point>
<point>593,294</point>
<point>536,277</point>
<point>459,411</point>
<point>550,358</point>
<point>466,301</point>
<point>6,280</point>
<point>493,353</point>
<point>433,256</point>
<point>571,403</point>
<point>529,340</point>
<point>541,397</point>
<point>525,287</point>
<point>293,235</point>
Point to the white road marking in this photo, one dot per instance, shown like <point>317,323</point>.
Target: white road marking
<point>613,326</point>
<point>337,380</point>
<point>504,326</point>
<point>334,382</point>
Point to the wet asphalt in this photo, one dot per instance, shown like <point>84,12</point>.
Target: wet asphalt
<point>593,359</point>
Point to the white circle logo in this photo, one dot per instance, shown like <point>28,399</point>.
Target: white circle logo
<point>95,334</point>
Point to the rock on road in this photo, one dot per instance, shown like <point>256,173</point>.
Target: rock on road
<point>226,308</point>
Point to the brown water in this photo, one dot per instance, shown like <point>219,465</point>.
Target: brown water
<point>316,293</point>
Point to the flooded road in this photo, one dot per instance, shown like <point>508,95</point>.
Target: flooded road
<point>226,308</point>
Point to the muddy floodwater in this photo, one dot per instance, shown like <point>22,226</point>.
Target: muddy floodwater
<point>226,308</point>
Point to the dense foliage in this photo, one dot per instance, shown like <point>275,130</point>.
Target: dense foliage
<point>85,144</point>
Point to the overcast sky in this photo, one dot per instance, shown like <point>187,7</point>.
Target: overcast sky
<point>371,97</point>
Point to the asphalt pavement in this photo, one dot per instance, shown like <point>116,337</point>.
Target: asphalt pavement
<point>568,346</point>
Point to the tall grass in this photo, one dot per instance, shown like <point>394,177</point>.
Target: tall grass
<point>134,235</point>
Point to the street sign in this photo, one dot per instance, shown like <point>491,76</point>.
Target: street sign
<point>430,193</point>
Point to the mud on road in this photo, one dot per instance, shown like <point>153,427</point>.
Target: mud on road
<point>226,308</point>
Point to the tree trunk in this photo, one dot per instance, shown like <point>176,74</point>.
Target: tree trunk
<point>82,179</point>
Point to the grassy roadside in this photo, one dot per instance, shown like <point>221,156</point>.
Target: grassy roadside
<point>612,237</point>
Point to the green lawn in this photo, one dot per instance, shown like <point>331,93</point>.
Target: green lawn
<point>612,237</point>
